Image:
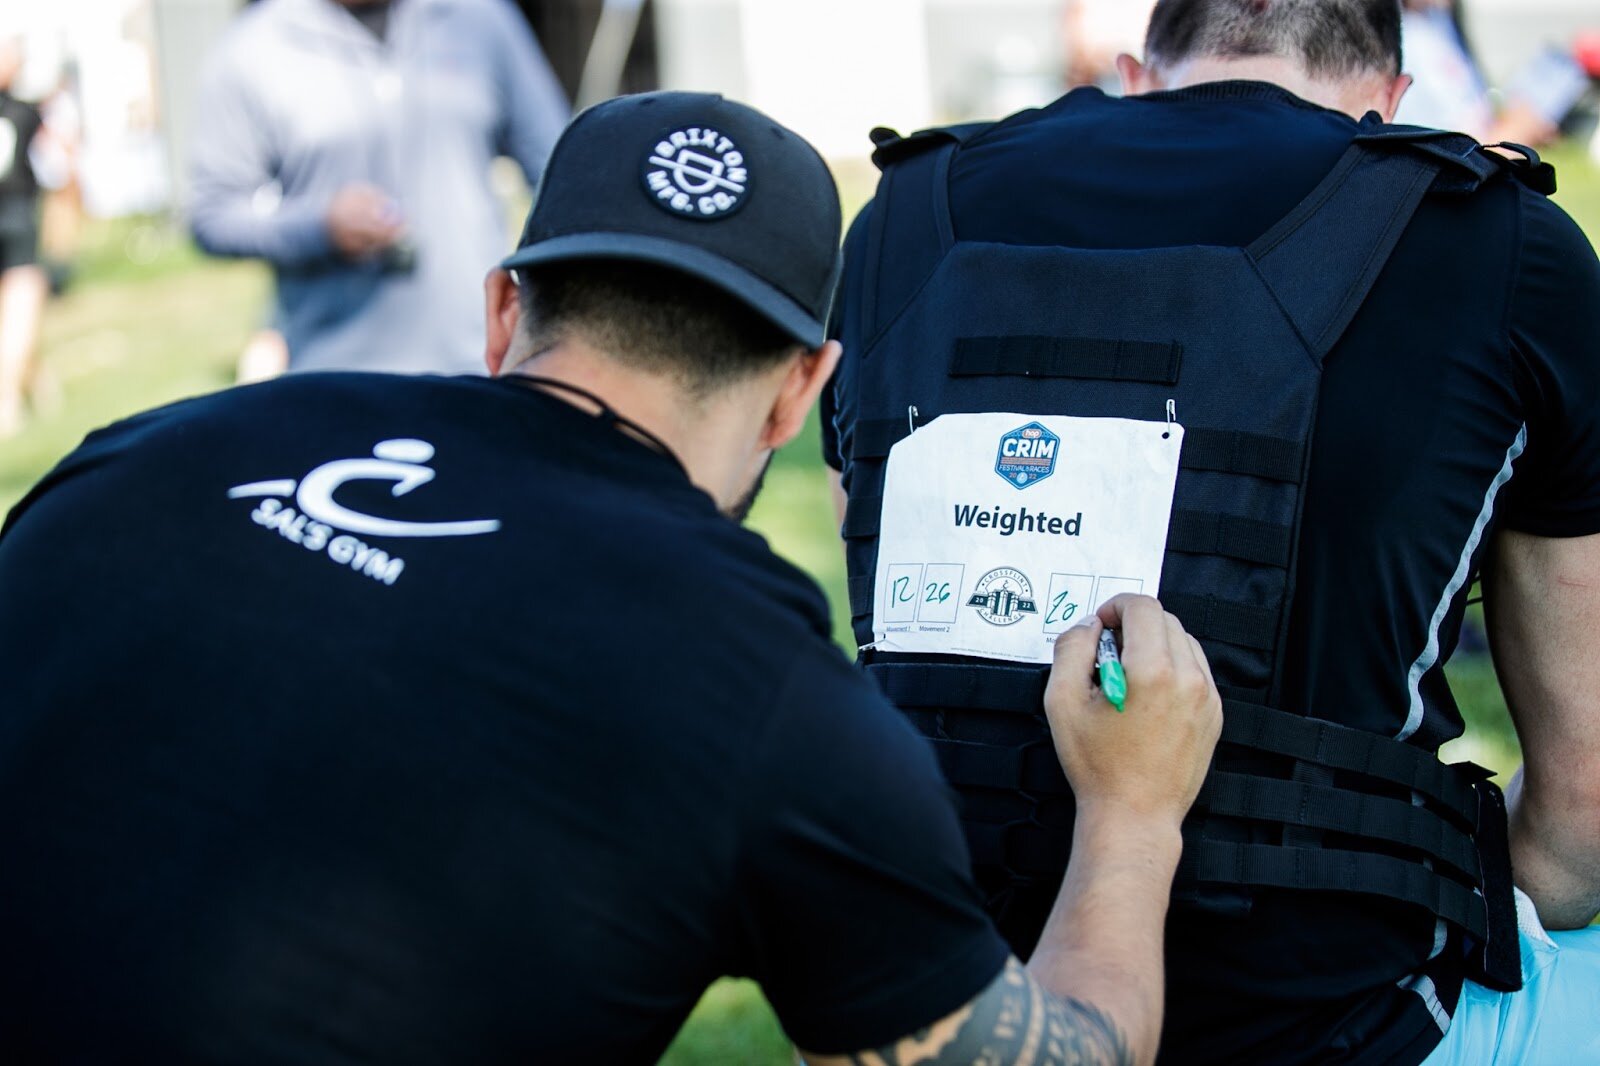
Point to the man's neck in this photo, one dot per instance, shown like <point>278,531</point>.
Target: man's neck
<point>1354,97</point>
<point>708,436</point>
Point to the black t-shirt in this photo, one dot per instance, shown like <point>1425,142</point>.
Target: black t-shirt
<point>1472,360</point>
<point>20,122</point>
<point>435,720</point>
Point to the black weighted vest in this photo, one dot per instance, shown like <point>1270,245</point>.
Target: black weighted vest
<point>1236,337</point>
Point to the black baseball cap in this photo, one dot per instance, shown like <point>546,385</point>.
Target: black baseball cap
<point>702,185</point>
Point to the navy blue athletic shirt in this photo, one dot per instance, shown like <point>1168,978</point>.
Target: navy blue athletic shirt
<point>420,720</point>
<point>1476,357</point>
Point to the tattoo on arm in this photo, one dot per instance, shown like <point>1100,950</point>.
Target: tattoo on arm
<point>1013,1021</point>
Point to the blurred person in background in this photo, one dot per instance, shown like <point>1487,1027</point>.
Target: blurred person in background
<point>61,215</point>
<point>1096,32</point>
<point>348,143</point>
<point>1449,90</point>
<point>24,285</point>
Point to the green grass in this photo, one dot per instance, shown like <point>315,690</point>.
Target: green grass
<point>149,321</point>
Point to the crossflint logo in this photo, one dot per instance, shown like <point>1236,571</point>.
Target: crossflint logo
<point>1027,455</point>
<point>1003,596</point>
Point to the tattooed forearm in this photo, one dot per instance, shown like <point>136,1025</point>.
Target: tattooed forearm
<point>1013,1021</point>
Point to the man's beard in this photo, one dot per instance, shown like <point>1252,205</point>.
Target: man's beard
<point>741,507</point>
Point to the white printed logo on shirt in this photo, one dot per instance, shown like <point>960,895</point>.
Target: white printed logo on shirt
<point>319,523</point>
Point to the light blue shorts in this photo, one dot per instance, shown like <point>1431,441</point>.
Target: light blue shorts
<point>1553,1021</point>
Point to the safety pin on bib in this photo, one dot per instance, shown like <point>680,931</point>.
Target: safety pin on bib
<point>911,419</point>
<point>1172,417</point>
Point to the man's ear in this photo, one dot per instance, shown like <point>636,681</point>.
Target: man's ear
<point>1137,79</point>
<point>502,313</point>
<point>1392,97</point>
<point>807,376</point>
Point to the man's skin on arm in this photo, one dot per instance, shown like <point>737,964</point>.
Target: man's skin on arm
<point>1092,992</point>
<point>1543,611</point>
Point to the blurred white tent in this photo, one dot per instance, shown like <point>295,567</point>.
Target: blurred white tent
<point>833,69</point>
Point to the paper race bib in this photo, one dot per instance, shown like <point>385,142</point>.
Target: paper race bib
<point>1001,530</point>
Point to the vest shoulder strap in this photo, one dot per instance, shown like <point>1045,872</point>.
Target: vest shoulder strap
<point>1322,259</point>
<point>1468,164</point>
<point>890,147</point>
<point>911,215</point>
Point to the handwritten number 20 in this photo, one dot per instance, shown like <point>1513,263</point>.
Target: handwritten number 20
<point>1060,610</point>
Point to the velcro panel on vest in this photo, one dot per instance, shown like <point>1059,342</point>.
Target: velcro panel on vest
<point>1027,850</point>
<point>1356,751</point>
<point>1085,358</point>
<point>1029,768</point>
<point>860,592</point>
<point>1232,537</point>
<point>1250,454</point>
<point>1010,689</point>
<point>1340,810</point>
<point>1334,870</point>
<point>1020,690</point>
<point>863,516</point>
<point>1212,618</point>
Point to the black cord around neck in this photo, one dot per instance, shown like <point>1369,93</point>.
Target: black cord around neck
<point>606,412</point>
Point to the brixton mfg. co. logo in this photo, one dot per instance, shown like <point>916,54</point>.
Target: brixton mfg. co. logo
<point>697,172</point>
<point>1027,455</point>
<point>1003,596</point>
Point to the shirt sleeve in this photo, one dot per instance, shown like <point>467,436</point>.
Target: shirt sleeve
<point>533,106</point>
<point>231,162</point>
<point>857,906</point>
<point>1555,337</point>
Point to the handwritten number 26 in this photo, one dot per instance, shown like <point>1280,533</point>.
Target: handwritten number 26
<point>937,592</point>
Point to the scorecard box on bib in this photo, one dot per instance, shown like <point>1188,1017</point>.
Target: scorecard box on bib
<point>1000,531</point>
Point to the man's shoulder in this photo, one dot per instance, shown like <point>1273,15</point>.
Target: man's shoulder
<point>708,558</point>
<point>496,16</point>
<point>305,405</point>
<point>248,51</point>
<point>1548,228</point>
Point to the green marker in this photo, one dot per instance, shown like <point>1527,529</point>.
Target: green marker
<point>1113,682</point>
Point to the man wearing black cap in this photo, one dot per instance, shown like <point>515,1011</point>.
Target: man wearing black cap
<point>451,720</point>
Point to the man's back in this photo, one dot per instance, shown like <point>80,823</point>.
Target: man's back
<point>452,798</point>
<point>1444,379</point>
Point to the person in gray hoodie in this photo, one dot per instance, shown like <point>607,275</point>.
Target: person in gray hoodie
<point>348,144</point>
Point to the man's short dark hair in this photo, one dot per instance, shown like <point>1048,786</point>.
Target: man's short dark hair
<point>650,318</point>
<point>1333,38</point>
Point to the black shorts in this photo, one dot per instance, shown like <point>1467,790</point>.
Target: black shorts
<point>19,234</point>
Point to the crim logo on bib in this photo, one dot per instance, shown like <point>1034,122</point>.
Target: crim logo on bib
<point>1027,455</point>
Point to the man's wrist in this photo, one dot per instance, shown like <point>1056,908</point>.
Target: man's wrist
<point>1108,827</point>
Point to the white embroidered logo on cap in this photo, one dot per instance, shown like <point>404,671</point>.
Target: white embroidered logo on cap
<point>697,172</point>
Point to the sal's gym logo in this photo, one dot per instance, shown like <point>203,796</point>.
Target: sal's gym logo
<point>1003,596</point>
<point>1027,455</point>
<point>698,173</point>
<point>319,523</point>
